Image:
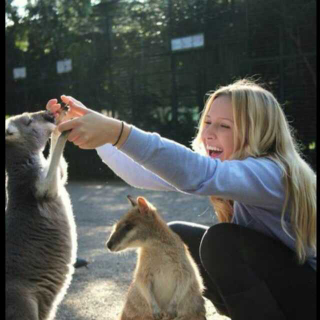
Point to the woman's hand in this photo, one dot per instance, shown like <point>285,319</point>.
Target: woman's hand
<point>77,109</point>
<point>89,129</point>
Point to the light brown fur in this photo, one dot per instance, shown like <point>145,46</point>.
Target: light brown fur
<point>166,283</point>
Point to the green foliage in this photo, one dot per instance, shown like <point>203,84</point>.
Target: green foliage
<point>122,60</point>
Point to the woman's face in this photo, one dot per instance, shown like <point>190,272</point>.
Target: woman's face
<point>217,133</point>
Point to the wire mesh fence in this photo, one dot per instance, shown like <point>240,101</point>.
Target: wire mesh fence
<point>152,62</point>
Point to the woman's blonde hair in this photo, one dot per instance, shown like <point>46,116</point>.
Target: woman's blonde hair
<point>262,130</point>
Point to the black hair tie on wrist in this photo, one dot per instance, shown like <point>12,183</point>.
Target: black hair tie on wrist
<point>122,126</point>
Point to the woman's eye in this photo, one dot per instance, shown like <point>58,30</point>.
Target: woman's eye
<point>225,126</point>
<point>207,123</point>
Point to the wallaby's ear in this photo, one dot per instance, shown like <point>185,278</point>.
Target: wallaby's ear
<point>132,201</point>
<point>144,205</point>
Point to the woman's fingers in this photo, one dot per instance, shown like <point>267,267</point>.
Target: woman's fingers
<point>91,130</point>
<point>76,107</point>
<point>77,136</point>
<point>50,103</point>
<point>68,125</point>
<point>53,106</point>
<point>78,141</point>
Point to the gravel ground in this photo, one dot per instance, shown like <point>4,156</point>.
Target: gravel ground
<point>99,291</point>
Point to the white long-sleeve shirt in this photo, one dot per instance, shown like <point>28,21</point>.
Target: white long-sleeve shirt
<point>130,171</point>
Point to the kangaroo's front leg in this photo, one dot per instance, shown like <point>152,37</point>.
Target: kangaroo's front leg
<point>62,113</point>
<point>56,133</point>
<point>156,311</point>
<point>179,293</point>
<point>50,184</point>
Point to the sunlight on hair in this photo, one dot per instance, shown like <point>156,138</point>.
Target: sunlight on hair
<point>262,130</point>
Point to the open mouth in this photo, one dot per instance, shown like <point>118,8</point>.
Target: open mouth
<point>214,152</point>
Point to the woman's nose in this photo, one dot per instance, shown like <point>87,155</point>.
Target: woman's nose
<point>210,132</point>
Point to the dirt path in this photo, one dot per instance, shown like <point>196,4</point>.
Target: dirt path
<point>99,292</point>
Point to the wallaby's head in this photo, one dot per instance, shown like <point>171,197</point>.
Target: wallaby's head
<point>135,228</point>
<point>29,131</point>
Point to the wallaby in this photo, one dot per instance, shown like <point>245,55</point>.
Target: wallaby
<point>40,229</point>
<point>167,283</point>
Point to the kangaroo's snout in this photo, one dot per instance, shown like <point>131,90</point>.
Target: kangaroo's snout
<point>110,244</point>
<point>49,116</point>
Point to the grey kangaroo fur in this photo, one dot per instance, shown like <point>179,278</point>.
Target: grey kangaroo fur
<point>40,229</point>
<point>167,284</point>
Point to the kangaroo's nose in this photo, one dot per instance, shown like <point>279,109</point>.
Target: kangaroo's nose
<point>49,116</point>
<point>109,245</point>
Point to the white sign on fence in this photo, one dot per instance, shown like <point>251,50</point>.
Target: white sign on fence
<point>19,73</point>
<point>64,66</point>
<point>195,41</point>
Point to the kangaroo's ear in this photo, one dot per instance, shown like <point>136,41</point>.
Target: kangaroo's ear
<point>11,132</point>
<point>132,201</point>
<point>144,205</point>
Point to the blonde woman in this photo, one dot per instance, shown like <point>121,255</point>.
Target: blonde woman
<point>259,262</point>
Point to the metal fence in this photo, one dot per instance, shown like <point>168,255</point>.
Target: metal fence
<point>160,89</point>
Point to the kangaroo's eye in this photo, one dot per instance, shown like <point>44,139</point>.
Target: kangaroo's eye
<point>128,226</point>
<point>29,121</point>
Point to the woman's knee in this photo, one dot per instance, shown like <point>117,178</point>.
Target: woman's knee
<point>219,235</point>
<point>185,229</point>
<point>191,234</point>
<point>218,241</point>
<point>227,244</point>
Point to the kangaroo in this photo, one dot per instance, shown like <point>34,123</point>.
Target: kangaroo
<point>40,229</point>
<point>167,283</point>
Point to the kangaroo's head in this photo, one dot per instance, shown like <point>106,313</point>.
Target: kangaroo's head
<point>134,229</point>
<point>29,131</point>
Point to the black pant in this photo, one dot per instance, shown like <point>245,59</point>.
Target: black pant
<point>248,275</point>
